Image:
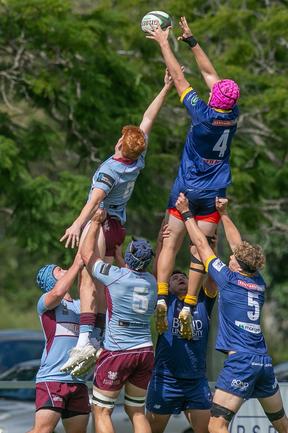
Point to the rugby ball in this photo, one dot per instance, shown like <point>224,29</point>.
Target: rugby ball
<point>153,18</point>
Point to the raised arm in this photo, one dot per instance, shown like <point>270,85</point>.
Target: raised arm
<point>175,70</point>
<point>204,64</point>
<point>89,250</point>
<point>62,286</point>
<point>72,234</point>
<point>152,111</point>
<point>231,232</point>
<point>197,237</point>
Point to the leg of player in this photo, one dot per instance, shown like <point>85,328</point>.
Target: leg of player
<point>157,422</point>
<point>45,421</point>
<point>199,419</point>
<point>165,266</point>
<point>273,408</point>
<point>85,352</point>
<point>75,424</point>
<point>196,276</point>
<point>135,408</point>
<point>103,405</point>
<point>224,407</point>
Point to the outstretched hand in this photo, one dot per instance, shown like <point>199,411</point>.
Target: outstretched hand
<point>182,203</point>
<point>159,35</point>
<point>186,32</point>
<point>72,236</point>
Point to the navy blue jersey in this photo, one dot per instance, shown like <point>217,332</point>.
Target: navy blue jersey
<point>179,357</point>
<point>205,159</point>
<point>241,299</point>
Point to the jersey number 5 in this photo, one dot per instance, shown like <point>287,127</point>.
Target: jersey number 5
<point>253,302</point>
<point>140,302</point>
<point>221,144</point>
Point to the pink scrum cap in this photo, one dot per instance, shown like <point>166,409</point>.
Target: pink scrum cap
<point>224,94</point>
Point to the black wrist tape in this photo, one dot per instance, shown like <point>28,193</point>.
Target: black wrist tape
<point>187,215</point>
<point>191,41</point>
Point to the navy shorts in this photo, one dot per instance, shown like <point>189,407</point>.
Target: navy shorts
<point>248,376</point>
<point>201,202</point>
<point>168,395</point>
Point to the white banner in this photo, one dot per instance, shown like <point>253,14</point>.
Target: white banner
<point>251,417</point>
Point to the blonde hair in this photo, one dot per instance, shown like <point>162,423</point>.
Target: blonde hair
<point>133,142</point>
<point>250,255</point>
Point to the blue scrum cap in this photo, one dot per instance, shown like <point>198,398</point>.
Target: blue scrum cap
<point>138,254</point>
<point>45,278</point>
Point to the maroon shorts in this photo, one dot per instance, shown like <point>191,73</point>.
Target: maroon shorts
<point>114,234</point>
<point>115,368</point>
<point>68,398</point>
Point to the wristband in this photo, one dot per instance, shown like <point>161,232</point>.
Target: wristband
<point>187,215</point>
<point>191,41</point>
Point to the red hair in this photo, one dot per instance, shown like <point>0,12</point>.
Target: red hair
<point>133,142</point>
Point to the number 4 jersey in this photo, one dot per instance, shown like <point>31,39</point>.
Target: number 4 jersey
<point>131,298</point>
<point>241,299</point>
<point>205,159</point>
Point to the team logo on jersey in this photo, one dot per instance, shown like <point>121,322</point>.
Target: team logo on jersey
<point>218,265</point>
<point>105,268</point>
<point>238,384</point>
<point>106,178</point>
<point>112,375</point>
<point>193,100</point>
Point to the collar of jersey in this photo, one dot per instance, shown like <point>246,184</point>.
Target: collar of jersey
<point>124,160</point>
<point>221,111</point>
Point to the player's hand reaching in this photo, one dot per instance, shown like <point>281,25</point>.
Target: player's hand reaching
<point>221,205</point>
<point>159,35</point>
<point>99,216</point>
<point>168,81</point>
<point>72,236</point>
<point>182,203</point>
<point>186,32</point>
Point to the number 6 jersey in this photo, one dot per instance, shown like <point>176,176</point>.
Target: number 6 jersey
<point>241,298</point>
<point>131,298</point>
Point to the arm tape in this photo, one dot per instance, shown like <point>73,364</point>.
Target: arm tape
<point>217,410</point>
<point>275,415</point>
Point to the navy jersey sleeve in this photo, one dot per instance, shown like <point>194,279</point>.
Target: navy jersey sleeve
<point>106,273</point>
<point>220,273</point>
<point>196,107</point>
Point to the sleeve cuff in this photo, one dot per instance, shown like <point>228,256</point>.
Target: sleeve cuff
<point>207,262</point>
<point>210,294</point>
<point>184,93</point>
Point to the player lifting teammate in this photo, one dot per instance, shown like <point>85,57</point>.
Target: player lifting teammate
<point>204,171</point>
<point>248,371</point>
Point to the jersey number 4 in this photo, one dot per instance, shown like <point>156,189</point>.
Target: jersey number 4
<point>221,144</point>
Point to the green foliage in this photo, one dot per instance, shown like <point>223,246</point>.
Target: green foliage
<point>73,73</point>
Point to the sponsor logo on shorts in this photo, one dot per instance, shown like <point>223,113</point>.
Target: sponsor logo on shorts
<point>238,384</point>
<point>57,398</point>
<point>249,327</point>
<point>218,265</point>
<point>112,375</point>
<point>157,406</point>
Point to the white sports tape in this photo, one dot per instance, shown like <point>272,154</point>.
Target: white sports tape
<point>102,400</point>
<point>130,400</point>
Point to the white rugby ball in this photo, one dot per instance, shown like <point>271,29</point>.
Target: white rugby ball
<point>153,18</point>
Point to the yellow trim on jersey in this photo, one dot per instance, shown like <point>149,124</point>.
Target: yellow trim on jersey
<point>210,294</point>
<point>184,93</point>
<point>222,111</point>
<point>190,299</point>
<point>207,261</point>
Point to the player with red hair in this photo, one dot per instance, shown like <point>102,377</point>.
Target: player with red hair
<point>111,188</point>
<point>204,172</point>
